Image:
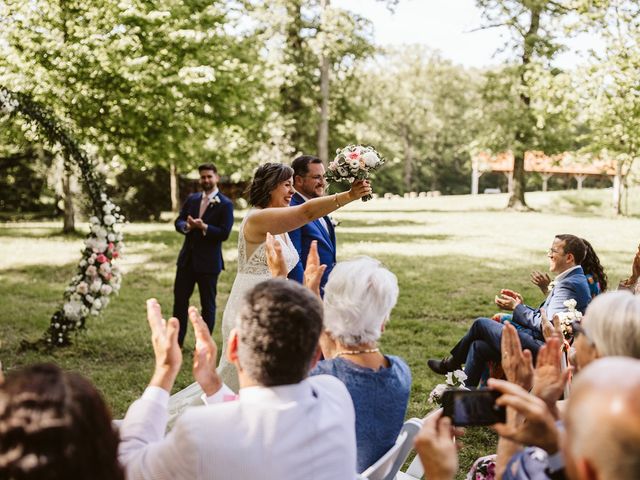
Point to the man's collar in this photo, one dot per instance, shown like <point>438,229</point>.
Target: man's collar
<point>563,275</point>
<point>304,197</point>
<point>212,194</point>
<point>279,394</point>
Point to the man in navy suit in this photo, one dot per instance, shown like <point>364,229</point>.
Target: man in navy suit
<point>309,182</point>
<point>482,342</point>
<point>205,220</point>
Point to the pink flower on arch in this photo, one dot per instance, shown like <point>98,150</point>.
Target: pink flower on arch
<point>354,155</point>
<point>102,258</point>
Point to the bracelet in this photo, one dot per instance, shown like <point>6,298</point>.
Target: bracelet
<point>335,198</point>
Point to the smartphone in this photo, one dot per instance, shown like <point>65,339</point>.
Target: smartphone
<point>473,407</point>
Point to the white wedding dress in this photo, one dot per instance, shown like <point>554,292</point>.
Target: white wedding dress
<point>251,271</point>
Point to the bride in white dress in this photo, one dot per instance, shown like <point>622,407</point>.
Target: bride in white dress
<point>269,195</point>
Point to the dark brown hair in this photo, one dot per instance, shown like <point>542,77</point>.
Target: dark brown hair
<point>591,265</point>
<point>573,245</point>
<point>55,426</point>
<point>301,164</point>
<point>208,166</point>
<point>266,180</point>
<point>279,328</point>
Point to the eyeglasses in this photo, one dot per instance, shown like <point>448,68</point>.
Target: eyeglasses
<point>317,178</point>
<point>552,251</point>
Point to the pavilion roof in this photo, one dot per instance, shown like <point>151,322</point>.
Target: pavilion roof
<point>537,161</point>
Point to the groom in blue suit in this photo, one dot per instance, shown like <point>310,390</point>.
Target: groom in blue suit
<point>205,220</point>
<point>481,343</point>
<point>309,182</point>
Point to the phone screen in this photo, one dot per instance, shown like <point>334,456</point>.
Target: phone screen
<point>473,407</point>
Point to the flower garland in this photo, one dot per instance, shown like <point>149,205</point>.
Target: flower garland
<point>97,277</point>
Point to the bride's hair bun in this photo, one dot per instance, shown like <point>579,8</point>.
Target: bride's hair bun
<point>266,180</point>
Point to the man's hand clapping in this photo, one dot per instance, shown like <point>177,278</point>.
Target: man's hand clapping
<point>164,337</point>
<point>508,300</point>
<point>516,363</point>
<point>204,356</point>
<point>542,280</point>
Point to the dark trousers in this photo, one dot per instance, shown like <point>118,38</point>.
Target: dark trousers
<point>186,279</point>
<point>481,344</point>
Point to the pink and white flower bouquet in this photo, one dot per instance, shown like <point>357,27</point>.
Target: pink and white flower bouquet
<point>353,162</point>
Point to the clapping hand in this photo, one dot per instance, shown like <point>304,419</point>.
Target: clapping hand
<point>436,448</point>
<point>538,429</point>
<point>205,355</point>
<point>313,271</point>
<point>542,280</point>
<point>635,271</point>
<point>516,363</point>
<point>275,259</point>
<point>548,378</point>
<point>164,337</point>
<point>195,223</point>
<point>508,299</point>
<point>549,329</point>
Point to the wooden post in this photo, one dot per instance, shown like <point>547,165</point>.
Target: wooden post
<point>545,180</point>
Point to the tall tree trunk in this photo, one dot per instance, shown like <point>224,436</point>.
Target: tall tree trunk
<point>69,225</point>
<point>408,163</point>
<point>323,128</point>
<point>523,136</point>
<point>175,188</point>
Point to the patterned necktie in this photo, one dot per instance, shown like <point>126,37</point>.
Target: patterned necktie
<point>204,204</point>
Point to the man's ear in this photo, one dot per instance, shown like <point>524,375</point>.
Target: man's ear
<point>316,358</point>
<point>232,346</point>
<point>297,180</point>
<point>571,258</point>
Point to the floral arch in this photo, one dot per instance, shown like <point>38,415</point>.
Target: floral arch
<point>97,277</point>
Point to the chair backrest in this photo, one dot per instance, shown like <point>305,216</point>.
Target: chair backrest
<point>411,427</point>
<point>414,470</point>
<point>382,468</point>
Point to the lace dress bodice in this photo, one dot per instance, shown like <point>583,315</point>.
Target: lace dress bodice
<point>256,264</point>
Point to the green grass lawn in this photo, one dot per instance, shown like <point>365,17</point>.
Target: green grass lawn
<point>451,256</point>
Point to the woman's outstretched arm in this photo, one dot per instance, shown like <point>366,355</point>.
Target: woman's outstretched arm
<point>281,220</point>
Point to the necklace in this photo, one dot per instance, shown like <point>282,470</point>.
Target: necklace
<point>356,352</point>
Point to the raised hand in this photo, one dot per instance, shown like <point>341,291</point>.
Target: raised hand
<point>359,189</point>
<point>436,448</point>
<point>313,271</point>
<point>205,355</point>
<point>508,299</point>
<point>548,378</point>
<point>275,259</point>
<point>538,429</point>
<point>164,338</point>
<point>542,280</point>
<point>517,364</point>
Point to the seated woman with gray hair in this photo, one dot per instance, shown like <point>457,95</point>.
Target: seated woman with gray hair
<point>358,299</point>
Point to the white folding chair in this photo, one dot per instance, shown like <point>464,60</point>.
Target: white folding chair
<point>381,469</point>
<point>414,471</point>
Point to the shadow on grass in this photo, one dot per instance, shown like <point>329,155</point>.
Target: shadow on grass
<point>395,238</point>
<point>17,231</point>
<point>351,223</point>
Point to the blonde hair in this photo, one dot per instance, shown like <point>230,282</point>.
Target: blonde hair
<point>612,323</point>
<point>358,299</point>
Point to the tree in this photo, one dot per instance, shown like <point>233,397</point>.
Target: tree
<point>532,25</point>
<point>611,97</point>
<point>422,114</point>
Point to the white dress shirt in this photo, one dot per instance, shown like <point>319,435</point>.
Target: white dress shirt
<point>305,430</point>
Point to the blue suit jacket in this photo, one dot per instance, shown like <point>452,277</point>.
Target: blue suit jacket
<point>302,238</point>
<point>573,286</point>
<point>204,252</point>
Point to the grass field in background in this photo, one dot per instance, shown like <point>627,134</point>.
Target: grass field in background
<point>451,256</point>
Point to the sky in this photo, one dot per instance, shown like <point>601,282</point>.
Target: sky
<point>447,25</point>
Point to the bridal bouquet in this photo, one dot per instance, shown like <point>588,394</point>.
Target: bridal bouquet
<point>568,317</point>
<point>353,162</point>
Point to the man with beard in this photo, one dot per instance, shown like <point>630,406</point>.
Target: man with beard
<point>309,182</point>
<point>206,219</point>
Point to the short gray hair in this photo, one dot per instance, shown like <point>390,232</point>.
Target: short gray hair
<point>358,299</point>
<point>612,323</point>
